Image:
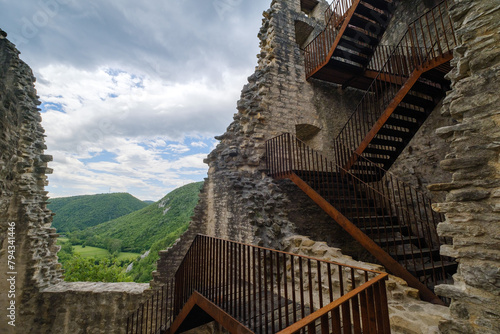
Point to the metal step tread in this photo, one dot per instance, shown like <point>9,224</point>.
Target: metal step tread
<point>422,269</point>
<point>426,252</point>
<point>397,240</point>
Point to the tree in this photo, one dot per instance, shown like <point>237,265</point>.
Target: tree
<point>114,247</point>
<point>66,252</point>
<point>79,269</point>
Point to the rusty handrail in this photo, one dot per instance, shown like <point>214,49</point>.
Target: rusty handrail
<point>356,194</point>
<point>268,290</point>
<point>373,317</point>
<point>155,314</point>
<point>317,50</point>
<point>428,39</point>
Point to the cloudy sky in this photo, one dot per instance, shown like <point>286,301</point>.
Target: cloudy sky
<point>133,92</point>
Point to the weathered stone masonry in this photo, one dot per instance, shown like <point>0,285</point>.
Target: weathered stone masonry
<point>43,303</point>
<point>472,204</point>
<point>240,202</point>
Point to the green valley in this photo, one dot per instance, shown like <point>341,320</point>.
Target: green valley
<point>79,212</point>
<point>114,244</point>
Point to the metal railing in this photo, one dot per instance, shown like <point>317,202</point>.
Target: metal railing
<point>428,39</point>
<point>316,52</point>
<point>154,315</point>
<point>269,291</point>
<point>319,50</point>
<point>372,198</point>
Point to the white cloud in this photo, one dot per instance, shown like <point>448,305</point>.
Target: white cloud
<point>198,144</point>
<point>134,92</point>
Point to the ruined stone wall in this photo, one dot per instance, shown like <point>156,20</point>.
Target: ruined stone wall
<point>32,293</point>
<point>87,307</point>
<point>24,218</point>
<point>472,196</point>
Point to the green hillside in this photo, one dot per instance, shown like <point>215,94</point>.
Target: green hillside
<point>79,212</point>
<point>139,230</point>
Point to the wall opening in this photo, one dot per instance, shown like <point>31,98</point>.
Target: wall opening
<point>306,132</point>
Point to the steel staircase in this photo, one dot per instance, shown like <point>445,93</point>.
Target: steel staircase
<point>249,289</point>
<point>343,50</point>
<point>389,218</point>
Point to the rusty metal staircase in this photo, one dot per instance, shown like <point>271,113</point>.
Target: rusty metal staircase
<point>250,289</point>
<point>393,221</point>
<point>389,218</point>
<point>409,83</point>
<point>342,51</point>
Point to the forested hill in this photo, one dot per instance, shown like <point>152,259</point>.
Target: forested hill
<point>79,212</point>
<point>139,230</point>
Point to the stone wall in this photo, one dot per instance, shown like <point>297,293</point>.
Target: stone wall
<point>23,213</point>
<point>407,313</point>
<point>87,307</point>
<point>472,196</point>
<point>32,288</point>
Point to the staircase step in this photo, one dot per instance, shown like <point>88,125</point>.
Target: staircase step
<point>419,101</point>
<point>365,209</point>
<point>360,35</point>
<point>356,46</point>
<point>362,22</point>
<point>397,241</point>
<point>366,219</point>
<point>363,165</point>
<point>367,175</point>
<point>425,252</point>
<point>379,151</point>
<point>386,142</point>
<point>375,230</point>
<point>380,4</point>
<point>345,54</point>
<point>437,76</point>
<point>345,66</point>
<point>427,268</point>
<point>410,112</point>
<point>394,133</point>
<point>402,123</point>
<point>371,169</point>
<point>368,12</point>
<point>428,89</point>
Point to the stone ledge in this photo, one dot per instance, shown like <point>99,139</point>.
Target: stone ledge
<point>97,287</point>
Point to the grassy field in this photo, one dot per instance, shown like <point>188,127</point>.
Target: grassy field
<point>89,251</point>
<point>100,253</point>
